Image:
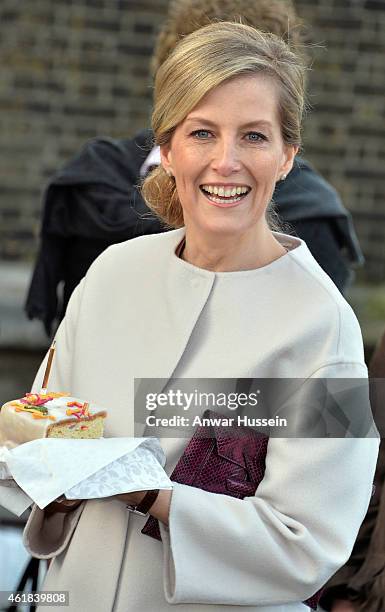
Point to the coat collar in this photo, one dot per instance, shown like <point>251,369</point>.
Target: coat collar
<point>184,293</point>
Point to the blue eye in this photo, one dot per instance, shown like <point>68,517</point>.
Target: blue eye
<point>255,136</point>
<point>202,134</point>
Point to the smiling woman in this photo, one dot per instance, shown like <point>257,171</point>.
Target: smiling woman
<point>226,138</point>
<point>226,158</point>
<point>221,297</point>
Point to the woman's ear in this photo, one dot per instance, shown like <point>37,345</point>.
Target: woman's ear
<point>166,158</point>
<point>290,151</point>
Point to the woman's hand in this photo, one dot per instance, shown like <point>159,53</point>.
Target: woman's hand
<point>160,509</point>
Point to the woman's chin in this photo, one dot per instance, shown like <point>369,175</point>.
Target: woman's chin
<point>215,221</point>
<point>223,229</point>
<point>225,225</point>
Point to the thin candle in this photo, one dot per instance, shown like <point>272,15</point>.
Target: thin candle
<point>48,367</point>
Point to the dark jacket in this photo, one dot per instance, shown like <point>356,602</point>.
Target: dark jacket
<point>94,201</point>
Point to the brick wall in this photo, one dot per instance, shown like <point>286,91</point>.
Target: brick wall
<point>71,70</point>
<point>344,135</point>
<point>75,69</point>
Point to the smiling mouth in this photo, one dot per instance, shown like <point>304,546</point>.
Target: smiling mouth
<point>225,196</point>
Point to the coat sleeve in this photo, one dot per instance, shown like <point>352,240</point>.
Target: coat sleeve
<point>45,537</point>
<point>284,543</point>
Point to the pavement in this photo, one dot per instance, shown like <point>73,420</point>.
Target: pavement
<point>16,331</point>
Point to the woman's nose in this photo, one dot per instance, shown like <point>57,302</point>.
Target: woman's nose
<point>226,158</point>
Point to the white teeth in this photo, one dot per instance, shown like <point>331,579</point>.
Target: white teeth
<point>221,201</point>
<point>223,192</point>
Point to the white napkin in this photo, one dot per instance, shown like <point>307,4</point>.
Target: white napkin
<point>82,469</point>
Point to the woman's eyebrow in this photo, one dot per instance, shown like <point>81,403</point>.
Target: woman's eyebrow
<point>250,124</point>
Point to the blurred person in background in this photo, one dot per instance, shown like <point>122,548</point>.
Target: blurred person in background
<point>94,200</point>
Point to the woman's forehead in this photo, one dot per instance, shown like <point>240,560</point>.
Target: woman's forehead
<point>246,99</point>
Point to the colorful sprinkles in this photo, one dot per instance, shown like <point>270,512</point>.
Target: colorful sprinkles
<point>35,404</point>
<point>81,410</point>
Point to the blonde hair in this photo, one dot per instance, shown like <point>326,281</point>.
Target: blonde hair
<point>202,61</point>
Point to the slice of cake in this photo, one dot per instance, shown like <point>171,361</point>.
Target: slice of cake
<point>50,415</point>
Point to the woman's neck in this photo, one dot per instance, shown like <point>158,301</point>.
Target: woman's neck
<point>233,253</point>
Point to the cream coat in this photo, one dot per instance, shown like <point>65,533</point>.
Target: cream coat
<point>139,313</point>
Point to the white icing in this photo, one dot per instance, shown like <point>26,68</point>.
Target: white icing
<point>20,427</point>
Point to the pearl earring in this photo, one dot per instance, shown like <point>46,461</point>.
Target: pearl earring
<point>283,177</point>
<point>169,173</point>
